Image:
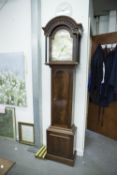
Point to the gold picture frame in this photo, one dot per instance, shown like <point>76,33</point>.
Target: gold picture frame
<point>26,133</point>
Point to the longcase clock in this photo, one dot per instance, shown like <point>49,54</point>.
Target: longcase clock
<point>62,37</point>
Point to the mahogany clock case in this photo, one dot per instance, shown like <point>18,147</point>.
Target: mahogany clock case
<point>62,36</point>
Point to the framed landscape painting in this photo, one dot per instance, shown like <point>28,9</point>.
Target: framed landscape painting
<point>12,79</point>
<point>8,123</point>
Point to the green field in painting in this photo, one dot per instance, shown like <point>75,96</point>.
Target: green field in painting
<point>7,123</point>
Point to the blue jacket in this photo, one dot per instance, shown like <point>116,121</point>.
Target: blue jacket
<point>103,93</point>
<point>96,75</point>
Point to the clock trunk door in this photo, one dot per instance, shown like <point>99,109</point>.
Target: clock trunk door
<point>62,86</point>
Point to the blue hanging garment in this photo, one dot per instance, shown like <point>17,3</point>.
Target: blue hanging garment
<point>103,77</point>
<point>96,75</point>
<point>113,76</point>
<point>107,94</point>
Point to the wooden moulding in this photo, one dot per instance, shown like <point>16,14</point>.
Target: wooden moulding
<point>62,159</point>
<point>107,38</point>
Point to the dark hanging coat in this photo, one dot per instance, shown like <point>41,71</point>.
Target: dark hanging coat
<point>113,76</point>
<point>96,75</point>
<point>107,90</point>
<point>103,93</point>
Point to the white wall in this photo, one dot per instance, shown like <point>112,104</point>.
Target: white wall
<point>103,24</point>
<point>91,18</point>
<point>107,23</point>
<point>15,36</point>
<point>80,11</point>
<point>112,26</point>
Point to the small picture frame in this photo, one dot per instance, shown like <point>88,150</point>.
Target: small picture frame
<point>26,133</point>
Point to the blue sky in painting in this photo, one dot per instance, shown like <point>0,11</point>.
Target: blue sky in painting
<point>13,62</point>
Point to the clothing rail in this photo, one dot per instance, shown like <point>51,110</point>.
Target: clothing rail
<point>109,46</point>
<point>107,38</point>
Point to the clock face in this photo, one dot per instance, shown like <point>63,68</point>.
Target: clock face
<point>62,46</point>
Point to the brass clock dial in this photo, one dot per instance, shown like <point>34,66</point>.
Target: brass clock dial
<point>62,46</point>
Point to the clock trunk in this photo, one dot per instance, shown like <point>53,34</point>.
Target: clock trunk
<point>62,91</point>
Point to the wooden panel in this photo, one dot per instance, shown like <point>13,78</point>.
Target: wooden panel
<point>106,123</point>
<point>60,142</point>
<point>62,85</point>
<point>108,38</point>
<point>60,145</point>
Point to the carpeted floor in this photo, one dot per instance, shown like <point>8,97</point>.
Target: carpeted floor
<point>5,166</point>
<point>100,158</point>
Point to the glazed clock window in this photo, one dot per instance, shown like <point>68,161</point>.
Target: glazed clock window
<point>62,46</point>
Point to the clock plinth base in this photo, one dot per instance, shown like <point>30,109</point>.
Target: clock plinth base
<point>62,159</point>
<point>60,144</point>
